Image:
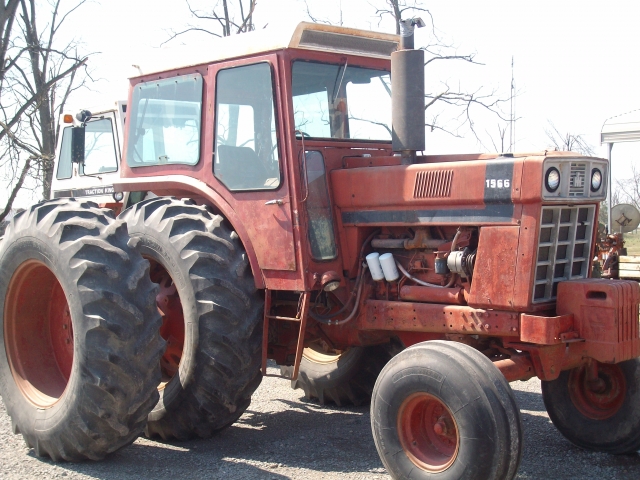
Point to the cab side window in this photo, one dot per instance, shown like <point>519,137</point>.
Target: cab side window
<point>246,144</point>
<point>321,235</point>
<point>99,148</point>
<point>100,154</point>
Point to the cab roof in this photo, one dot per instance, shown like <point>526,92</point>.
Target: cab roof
<point>305,35</point>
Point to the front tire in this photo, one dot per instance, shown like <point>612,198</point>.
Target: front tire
<point>212,316</point>
<point>604,417</point>
<point>80,345</point>
<point>442,410</point>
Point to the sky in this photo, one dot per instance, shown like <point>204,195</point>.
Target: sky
<point>576,63</point>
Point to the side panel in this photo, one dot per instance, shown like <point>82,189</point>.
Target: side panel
<point>495,269</point>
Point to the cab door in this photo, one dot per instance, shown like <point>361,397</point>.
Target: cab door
<point>248,163</point>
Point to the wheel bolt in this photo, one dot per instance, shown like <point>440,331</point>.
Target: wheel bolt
<point>597,385</point>
<point>440,428</point>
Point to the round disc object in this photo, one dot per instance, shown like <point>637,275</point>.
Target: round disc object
<point>625,218</point>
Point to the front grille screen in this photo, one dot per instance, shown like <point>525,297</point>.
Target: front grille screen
<point>578,180</point>
<point>564,247</point>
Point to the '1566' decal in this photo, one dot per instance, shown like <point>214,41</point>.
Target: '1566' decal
<point>498,183</point>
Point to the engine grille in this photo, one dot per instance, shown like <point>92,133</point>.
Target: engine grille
<point>433,184</point>
<point>578,179</point>
<point>564,248</point>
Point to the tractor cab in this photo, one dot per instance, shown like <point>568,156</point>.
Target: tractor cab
<point>259,125</point>
<point>93,177</point>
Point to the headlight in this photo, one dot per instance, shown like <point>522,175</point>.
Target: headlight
<point>596,180</point>
<point>118,196</point>
<point>552,179</point>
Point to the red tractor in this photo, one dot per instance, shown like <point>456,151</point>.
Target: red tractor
<point>280,208</point>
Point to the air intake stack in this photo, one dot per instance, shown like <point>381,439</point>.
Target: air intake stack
<point>407,86</point>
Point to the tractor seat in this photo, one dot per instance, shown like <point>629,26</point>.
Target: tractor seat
<point>240,168</point>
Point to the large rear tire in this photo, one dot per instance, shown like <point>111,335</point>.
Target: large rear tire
<point>80,346</point>
<point>605,416</point>
<point>343,378</point>
<point>212,316</point>
<point>442,410</point>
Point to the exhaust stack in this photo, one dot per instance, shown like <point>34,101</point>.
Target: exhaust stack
<point>407,87</point>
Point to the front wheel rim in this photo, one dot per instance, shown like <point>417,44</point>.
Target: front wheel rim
<point>428,432</point>
<point>602,399</point>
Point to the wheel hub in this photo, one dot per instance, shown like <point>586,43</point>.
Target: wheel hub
<point>601,397</point>
<point>172,329</point>
<point>428,432</point>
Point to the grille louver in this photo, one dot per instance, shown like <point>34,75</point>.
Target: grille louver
<point>433,184</point>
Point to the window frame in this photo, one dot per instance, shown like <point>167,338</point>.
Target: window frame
<point>351,62</point>
<point>276,119</point>
<point>115,150</point>
<point>60,156</point>
<point>129,124</point>
<point>332,220</point>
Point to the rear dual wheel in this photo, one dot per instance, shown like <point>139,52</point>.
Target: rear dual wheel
<point>80,344</point>
<point>212,316</point>
<point>442,410</point>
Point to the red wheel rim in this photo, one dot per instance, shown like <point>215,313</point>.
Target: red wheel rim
<point>599,399</point>
<point>428,432</point>
<point>172,330</point>
<point>38,332</point>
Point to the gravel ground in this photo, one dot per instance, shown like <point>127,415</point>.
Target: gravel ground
<point>282,436</point>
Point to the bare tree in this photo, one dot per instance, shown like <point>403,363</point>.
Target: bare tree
<point>628,190</point>
<point>227,17</point>
<point>568,141</point>
<point>450,109</point>
<point>499,143</point>
<point>399,10</point>
<point>37,79</point>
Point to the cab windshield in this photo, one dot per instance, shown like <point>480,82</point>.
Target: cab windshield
<point>341,101</point>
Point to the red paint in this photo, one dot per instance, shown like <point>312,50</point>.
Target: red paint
<point>601,397</point>
<point>38,334</point>
<point>518,367</point>
<point>606,316</point>
<point>495,269</point>
<point>428,432</point>
<point>433,318</point>
<point>450,296</point>
<point>173,328</point>
<point>545,330</point>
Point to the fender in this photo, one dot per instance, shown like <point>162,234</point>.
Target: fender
<point>177,185</point>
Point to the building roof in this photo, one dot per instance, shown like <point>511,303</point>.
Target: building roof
<point>304,35</point>
<point>621,128</point>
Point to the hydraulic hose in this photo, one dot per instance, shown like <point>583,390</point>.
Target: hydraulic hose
<point>356,292</point>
